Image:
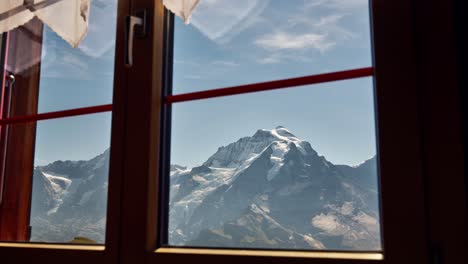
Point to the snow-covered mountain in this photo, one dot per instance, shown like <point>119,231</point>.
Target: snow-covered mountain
<point>270,190</point>
<point>273,190</point>
<point>69,200</point>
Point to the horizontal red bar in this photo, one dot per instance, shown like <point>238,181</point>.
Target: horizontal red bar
<point>265,86</point>
<point>58,114</point>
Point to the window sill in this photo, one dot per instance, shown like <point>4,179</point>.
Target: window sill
<point>268,253</point>
<point>53,246</point>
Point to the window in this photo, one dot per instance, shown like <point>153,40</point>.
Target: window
<point>261,170</point>
<point>138,189</point>
<point>56,131</point>
<point>71,154</point>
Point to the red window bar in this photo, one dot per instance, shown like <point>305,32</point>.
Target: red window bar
<point>273,85</point>
<point>58,114</point>
<point>242,89</point>
<point>249,88</point>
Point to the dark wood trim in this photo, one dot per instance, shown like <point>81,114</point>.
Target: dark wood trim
<point>117,151</point>
<point>53,256</point>
<point>399,128</point>
<point>461,20</point>
<point>143,101</point>
<point>15,208</point>
<point>441,133</point>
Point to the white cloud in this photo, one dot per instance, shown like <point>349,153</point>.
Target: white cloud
<point>294,41</point>
<point>293,38</point>
<point>284,56</point>
<point>226,63</point>
<point>187,62</point>
<point>269,60</point>
<point>328,25</point>
<point>338,4</point>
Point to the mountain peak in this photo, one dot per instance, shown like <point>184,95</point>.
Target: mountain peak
<point>234,154</point>
<point>279,133</point>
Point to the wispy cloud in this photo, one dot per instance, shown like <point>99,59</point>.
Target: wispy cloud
<point>307,30</point>
<point>225,63</point>
<point>294,41</point>
<point>187,62</point>
<point>269,60</point>
<point>279,57</point>
<point>222,20</point>
<point>337,4</point>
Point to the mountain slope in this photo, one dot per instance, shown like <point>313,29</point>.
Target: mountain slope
<point>273,190</point>
<point>69,200</point>
<point>270,190</point>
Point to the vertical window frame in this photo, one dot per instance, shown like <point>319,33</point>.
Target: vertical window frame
<point>19,252</point>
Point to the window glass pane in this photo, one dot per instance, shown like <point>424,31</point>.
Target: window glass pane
<point>70,179</point>
<point>83,76</point>
<point>285,169</point>
<point>248,41</point>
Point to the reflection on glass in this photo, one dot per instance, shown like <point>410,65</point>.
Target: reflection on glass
<point>266,170</point>
<point>248,41</point>
<point>80,77</point>
<point>70,180</point>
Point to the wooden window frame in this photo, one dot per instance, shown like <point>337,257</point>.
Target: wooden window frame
<point>410,111</point>
<point>18,165</point>
<point>404,113</point>
<point>395,74</point>
<point>19,252</point>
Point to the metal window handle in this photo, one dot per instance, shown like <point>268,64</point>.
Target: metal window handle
<point>139,20</point>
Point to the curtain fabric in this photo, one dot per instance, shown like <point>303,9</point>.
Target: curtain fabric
<point>68,18</point>
<point>182,8</point>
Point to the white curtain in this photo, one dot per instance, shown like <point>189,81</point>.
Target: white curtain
<point>68,18</point>
<point>182,8</point>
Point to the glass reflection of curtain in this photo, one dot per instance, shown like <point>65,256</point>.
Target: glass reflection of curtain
<point>68,18</point>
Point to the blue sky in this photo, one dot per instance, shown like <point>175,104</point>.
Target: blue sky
<point>73,78</point>
<point>227,43</point>
<point>246,41</point>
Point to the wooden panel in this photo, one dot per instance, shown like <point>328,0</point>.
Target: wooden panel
<point>24,62</point>
<point>143,101</point>
<point>442,131</point>
<point>399,128</point>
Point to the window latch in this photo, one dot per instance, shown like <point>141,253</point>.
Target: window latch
<point>11,80</point>
<point>135,26</point>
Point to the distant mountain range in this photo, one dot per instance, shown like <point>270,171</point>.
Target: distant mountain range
<point>270,190</point>
<point>273,190</point>
<point>69,200</point>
